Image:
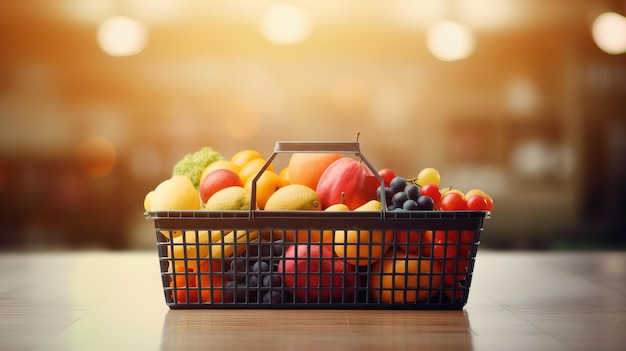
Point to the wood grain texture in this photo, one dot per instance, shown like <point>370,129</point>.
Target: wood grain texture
<point>114,301</point>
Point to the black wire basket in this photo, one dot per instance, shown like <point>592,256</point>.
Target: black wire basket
<point>293,259</point>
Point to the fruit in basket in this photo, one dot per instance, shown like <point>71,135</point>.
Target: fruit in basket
<point>219,164</point>
<point>243,156</point>
<point>432,191</point>
<point>337,207</point>
<point>453,201</point>
<point>477,203</point>
<point>428,175</point>
<point>234,243</point>
<point>409,240</point>
<point>404,278</point>
<point>191,244</point>
<point>307,168</point>
<point>387,174</point>
<point>294,197</point>
<point>230,198</point>
<point>347,181</point>
<point>284,176</point>
<point>313,274</point>
<point>185,287</point>
<point>174,194</point>
<point>253,276</point>
<point>218,180</point>
<point>266,186</point>
<point>404,195</point>
<point>146,200</point>
<point>363,247</point>
<point>193,164</point>
<point>252,167</point>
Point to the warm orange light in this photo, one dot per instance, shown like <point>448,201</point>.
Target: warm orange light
<point>122,36</point>
<point>522,96</point>
<point>450,41</point>
<point>283,24</point>
<point>489,14</point>
<point>609,33</point>
<point>95,156</point>
<point>243,122</point>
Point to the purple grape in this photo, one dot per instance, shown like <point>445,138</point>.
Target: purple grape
<point>413,191</point>
<point>397,184</point>
<point>410,205</point>
<point>425,202</point>
<point>399,198</point>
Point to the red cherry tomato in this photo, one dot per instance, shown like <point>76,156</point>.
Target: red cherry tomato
<point>477,203</point>
<point>387,174</point>
<point>453,201</point>
<point>431,190</point>
<point>489,202</point>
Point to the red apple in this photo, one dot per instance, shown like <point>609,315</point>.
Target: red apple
<point>218,180</point>
<point>347,181</point>
<point>315,275</point>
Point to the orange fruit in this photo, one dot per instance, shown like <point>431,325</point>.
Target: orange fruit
<point>243,156</point>
<point>187,284</point>
<point>251,168</point>
<point>266,185</point>
<point>307,168</point>
<point>284,176</point>
<point>404,278</point>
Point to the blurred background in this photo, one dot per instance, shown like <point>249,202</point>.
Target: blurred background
<point>525,99</point>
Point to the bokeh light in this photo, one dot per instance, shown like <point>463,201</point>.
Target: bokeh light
<point>284,24</point>
<point>122,36</point>
<point>243,121</point>
<point>609,33</point>
<point>95,156</point>
<point>521,96</point>
<point>488,14</point>
<point>450,41</point>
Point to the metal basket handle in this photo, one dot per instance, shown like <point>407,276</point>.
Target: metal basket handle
<point>316,147</point>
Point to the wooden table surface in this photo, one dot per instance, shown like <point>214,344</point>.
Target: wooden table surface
<point>114,301</point>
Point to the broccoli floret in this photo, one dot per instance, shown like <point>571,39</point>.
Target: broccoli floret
<point>192,165</point>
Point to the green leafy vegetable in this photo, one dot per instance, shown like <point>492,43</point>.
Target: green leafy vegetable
<point>192,165</point>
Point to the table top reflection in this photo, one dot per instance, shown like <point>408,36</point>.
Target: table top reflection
<point>114,301</point>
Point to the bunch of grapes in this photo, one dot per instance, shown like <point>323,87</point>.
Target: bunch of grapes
<point>253,276</point>
<point>402,195</point>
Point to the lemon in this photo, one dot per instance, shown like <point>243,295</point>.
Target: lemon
<point>176,193</point>
<point>146,200</point>
<point>294,197</point>
<point>230,198</point>
<point>338,207</point>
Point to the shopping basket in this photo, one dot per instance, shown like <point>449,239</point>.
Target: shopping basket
<point>246,259</point>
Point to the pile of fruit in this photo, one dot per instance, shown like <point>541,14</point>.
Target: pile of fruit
<point>333,265</point>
